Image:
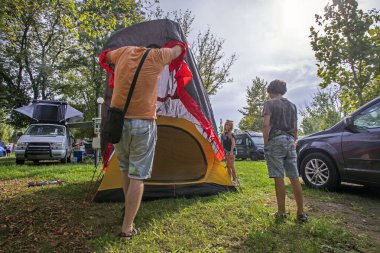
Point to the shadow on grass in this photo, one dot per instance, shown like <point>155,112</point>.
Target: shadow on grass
<point>57,218</point>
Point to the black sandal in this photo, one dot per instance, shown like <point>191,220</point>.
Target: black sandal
<point>128,236</point>
<point>125,236</point>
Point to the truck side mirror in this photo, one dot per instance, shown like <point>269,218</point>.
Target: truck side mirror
<point>19,134</point>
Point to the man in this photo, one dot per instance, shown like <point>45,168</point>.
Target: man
<point>135,151</point>
<point>280,135</point>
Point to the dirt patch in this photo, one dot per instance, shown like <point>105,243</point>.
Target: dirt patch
<point>357,206</point>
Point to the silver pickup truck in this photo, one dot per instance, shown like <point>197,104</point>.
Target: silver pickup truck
<point>44,142</point>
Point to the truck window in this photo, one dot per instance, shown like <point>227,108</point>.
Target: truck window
<point>239,141</point>
<point>50,130</point>
<point>258,140</point>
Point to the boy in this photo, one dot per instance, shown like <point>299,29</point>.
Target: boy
<point>280,135</point>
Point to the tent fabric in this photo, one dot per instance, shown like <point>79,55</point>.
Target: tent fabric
<point>44,111</point>
<point>184,165</point>
<point>188,152</point>
<point>160,32</point>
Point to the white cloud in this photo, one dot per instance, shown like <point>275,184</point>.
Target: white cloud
<point>271,40</point>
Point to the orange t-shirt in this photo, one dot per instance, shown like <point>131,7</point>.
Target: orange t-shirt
<point>144,97</point>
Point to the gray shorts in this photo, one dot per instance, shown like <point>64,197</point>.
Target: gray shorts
<point>281,157</point>
<point>135,151</point>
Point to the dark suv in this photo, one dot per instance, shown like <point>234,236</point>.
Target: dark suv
<point>250,145</point>
<point>349,151</point>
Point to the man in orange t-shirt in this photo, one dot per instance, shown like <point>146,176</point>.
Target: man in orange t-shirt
<point>135,151</point>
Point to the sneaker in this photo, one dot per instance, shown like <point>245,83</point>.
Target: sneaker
<point>279,217</point>
<point>236,183</point>
<point>302,218</point>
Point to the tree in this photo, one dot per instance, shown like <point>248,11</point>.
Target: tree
<point>213,66</point>
<point>208,53</point>
<point>49,49</point>
<point>83,81</point>
<point>323,112</point>
<point>32,41</point>
<point>346,46</point>
<point>256,95</point>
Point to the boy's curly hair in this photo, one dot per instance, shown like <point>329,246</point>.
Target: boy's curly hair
<point>277,86</point>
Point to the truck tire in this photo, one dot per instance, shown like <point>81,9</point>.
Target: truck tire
<point>318,171</point>
<point>253,157</point>
<point>20,162</point>
<point>64,160</point>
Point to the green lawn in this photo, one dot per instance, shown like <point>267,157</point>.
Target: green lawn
<point>57,218</point>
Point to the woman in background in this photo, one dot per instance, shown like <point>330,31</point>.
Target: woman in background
<point>228,142</point>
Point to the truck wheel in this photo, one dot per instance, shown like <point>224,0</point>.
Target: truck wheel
<point>64,160</point>
<point>19,162</point>
<point>253,157</point>
<point>319,172</point>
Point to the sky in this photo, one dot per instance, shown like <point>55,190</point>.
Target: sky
<point>270,38</point>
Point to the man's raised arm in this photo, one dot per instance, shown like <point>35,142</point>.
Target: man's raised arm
<point>176,51</point>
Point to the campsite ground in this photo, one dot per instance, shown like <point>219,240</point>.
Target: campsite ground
<point>57,217</point>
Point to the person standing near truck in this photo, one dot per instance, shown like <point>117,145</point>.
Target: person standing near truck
<point>280,135</point>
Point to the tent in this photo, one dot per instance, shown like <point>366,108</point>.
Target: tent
<point>55,112</point>
<point>188,154</point>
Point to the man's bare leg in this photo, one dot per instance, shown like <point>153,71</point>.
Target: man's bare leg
<point>297,191</point>
<point>133,191</point>
<point>280,194</point>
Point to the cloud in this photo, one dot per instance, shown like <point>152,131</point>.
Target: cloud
<point>270,39</point>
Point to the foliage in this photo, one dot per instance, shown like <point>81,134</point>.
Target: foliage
<point>346,45</point>
<point>256,95</point>
<point>213,66</point>
<point>323,112</point>
<point>184,18</point>
<point>208,53</point>
<point>6,131</point>
<point>49,50</point>
<point>56,218</point>
<point>82,80</point>
<point>33,43</point>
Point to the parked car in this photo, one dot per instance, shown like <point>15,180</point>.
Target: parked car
<point>44,142</point>
<point>348,152</point>
<point>250,145</point>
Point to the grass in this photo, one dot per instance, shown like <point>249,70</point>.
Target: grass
<point>57,218</point>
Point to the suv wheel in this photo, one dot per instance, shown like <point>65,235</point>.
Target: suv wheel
<point>318,171</point>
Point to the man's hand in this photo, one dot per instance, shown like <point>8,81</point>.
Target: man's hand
<point>108,57</point>
<point>176,51</point>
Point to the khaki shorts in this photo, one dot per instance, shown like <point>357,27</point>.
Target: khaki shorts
<point>135,151</point>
